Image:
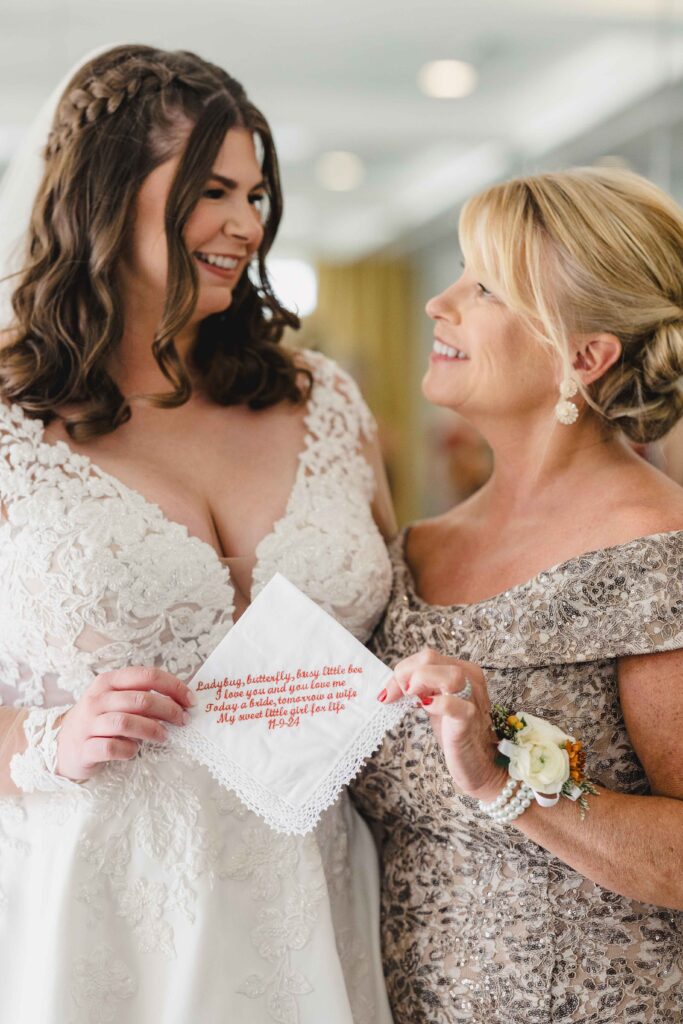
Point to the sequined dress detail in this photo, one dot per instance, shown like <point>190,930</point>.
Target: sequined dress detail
<point>480,924</point>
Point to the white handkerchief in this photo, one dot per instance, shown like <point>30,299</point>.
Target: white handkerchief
<point>287,708</point>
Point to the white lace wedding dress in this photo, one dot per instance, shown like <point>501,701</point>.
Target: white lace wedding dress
<point>151,895</point>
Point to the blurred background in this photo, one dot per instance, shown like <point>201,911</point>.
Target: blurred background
<point>387,116</point>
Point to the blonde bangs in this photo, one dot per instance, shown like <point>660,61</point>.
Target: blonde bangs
<point>503,237</point>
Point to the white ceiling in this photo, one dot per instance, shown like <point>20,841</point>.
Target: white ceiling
<point>341,74</point>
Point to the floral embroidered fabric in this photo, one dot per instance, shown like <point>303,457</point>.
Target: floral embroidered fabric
<point>479,923</point>
<point>151,893</point>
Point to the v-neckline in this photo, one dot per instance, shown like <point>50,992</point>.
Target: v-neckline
<point>127,492</point>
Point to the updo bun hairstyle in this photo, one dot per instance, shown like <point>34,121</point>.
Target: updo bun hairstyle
<point>593,250</point>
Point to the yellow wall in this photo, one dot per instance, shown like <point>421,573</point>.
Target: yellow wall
<point>366,320</point>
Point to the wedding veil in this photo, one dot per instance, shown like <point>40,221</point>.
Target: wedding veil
<point>18,189</point>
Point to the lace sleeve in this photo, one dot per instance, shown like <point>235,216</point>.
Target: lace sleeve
<point>329,377</point>
<point>347,386</point>
<point>28,751</point>
<point>342,430</point>
<point>35,769</point>
<point>12,741</point>
<point>367,437</point>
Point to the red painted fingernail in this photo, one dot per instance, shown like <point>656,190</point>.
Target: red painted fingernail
<point>382,696</point>
<point>426,701</point>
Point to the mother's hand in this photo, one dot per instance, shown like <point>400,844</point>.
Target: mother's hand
<point>462,726</point>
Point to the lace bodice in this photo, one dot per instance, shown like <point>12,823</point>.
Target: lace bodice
<point>95,577</point>
<point>479,923</point>
<point>160,892</point>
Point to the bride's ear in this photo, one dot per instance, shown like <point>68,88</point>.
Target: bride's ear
<point>594,354</point>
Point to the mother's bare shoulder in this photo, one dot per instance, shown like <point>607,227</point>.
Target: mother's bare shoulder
<point>427,535</point>
<point>652,504</point>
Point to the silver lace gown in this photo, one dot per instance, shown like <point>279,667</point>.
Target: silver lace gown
<point>478,922</point>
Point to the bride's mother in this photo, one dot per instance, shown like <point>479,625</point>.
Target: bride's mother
<point>562,341</point>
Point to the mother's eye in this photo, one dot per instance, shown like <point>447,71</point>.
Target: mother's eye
<point>214,193</point>
<point>482,289</point>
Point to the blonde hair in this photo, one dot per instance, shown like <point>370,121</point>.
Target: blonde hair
<point>593,250</point>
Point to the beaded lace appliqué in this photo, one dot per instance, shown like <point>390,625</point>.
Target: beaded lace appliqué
<point>96,578</point>
<point>34,771</point>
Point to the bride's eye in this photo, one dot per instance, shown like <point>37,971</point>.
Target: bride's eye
<point>482,289</point>
<point>214,193</point>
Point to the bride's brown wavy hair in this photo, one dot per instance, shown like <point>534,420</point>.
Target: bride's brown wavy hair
<point>124,113</point>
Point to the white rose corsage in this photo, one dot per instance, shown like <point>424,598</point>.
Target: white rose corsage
<point>539,755</point>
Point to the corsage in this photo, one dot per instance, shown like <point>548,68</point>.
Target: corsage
<point>547,762</point>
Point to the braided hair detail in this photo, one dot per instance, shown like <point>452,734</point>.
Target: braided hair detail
<point>124,113</point>
<point>103,95</point>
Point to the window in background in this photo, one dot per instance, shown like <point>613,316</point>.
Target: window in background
<point>295,283</point>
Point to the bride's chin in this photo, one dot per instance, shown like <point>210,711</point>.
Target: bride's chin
<point>211,308</point>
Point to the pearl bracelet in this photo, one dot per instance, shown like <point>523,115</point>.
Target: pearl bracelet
<point>501,799</point>
<point>503,811</point>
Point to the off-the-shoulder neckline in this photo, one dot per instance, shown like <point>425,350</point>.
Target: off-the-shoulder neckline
<point>399,545</point>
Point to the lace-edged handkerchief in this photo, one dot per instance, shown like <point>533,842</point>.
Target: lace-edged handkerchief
<point>287,709</point>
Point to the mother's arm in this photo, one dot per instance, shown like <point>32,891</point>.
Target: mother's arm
<point>632,845</point>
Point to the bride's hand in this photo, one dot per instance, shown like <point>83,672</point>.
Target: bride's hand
<point>461,726</point>
<point>116,713</point>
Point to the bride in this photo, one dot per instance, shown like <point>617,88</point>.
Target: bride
<point>161,457</point>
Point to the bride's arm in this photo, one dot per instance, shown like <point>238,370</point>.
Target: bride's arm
<point>382,505</point>
<point>12,741</point>
<point>59,746</point>
<point>632,845</point>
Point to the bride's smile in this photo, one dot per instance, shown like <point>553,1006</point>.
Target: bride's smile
<point>222,233</point>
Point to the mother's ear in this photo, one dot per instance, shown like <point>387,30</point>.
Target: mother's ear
<point>594,354</point>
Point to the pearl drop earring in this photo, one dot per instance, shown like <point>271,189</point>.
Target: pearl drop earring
<point>565,411</point>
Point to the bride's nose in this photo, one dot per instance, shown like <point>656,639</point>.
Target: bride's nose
<point>244,225</point>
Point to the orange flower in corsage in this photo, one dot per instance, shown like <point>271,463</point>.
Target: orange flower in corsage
<point>535,752</point>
